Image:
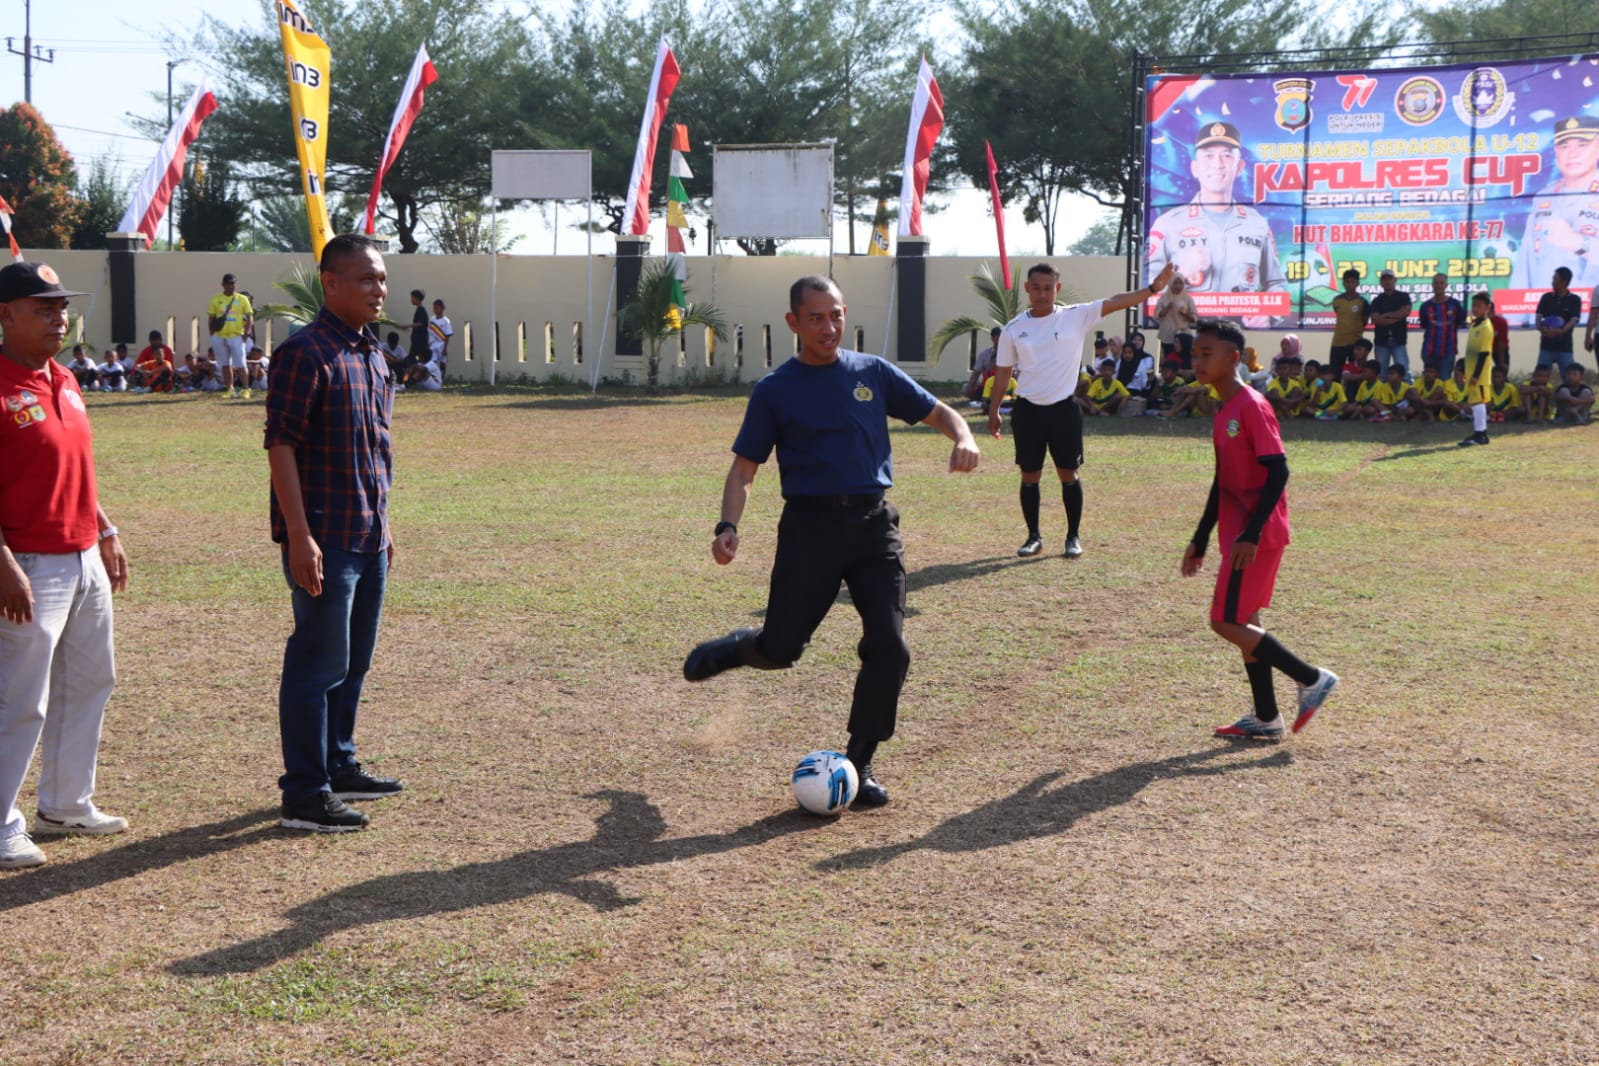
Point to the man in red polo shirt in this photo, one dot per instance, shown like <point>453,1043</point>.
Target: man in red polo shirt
<point>60,561</point>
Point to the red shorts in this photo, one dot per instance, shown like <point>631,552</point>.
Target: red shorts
<point>1240,593</point>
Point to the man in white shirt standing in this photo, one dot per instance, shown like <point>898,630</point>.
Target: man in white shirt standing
<point>1044,345</point>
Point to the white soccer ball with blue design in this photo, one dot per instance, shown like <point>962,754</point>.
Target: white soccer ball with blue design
<point>825,782</point>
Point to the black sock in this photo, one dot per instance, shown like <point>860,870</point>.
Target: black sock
<point>1278,657</point>
<point>1030,499</point>
<point>1071,494</point>
<point>1260,685</point>
<point>860,752</point>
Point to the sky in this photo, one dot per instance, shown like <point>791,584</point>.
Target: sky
<point>109,60</point>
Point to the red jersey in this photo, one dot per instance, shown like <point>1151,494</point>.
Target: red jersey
<point>1245,431</point>
<point>1501,334</point>
<point>47,490</point>
<point>152,351</point>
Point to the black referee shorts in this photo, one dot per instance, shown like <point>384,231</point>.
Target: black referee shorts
<point>1056,428</point>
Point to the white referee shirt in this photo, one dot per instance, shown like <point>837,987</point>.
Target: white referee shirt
<point>1047,353</point>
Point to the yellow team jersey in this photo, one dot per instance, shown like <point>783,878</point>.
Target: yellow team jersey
<point>1101,391</point>
<point>1424,393</point>
<point>1480,341</point>
<point>1455,391</point>
<point>1328,397</point>
<point>1388,395</point>
<point>1367,392</point>
<point>1506,398</point>
<point>233,310</point>
<point>1350,314</point>
<point>1277,387</point>
<point>1210,390</point>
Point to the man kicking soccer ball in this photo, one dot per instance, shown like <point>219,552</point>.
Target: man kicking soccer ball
<point>826,413</point>
<point>1248,500</point>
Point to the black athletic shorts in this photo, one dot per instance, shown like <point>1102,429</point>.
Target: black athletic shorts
<point>1056,427</point>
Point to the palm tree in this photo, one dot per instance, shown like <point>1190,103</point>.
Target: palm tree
<point>654,315</point>
<point>1003,305</point>
<point>304,287</point>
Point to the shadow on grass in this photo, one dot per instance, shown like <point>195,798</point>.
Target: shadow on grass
<point>1037,810</point>
<point>628,835</point>
<point>139,857</point>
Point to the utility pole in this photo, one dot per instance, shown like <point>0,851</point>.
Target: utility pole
<point>29,52</point>
<point>172,206</point>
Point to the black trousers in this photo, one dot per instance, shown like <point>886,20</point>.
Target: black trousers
<point>821,546</point>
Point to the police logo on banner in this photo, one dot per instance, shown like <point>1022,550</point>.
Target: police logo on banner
<point>1419,101</point>
<point>1484,98</point>
<point>1293,103</point>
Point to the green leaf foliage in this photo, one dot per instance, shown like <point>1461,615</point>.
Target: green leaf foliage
<point>37,178</point>
<point>654,315</point>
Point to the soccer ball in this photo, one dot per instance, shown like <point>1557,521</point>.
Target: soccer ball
<point>1553,322</point>
<point>825,782</point>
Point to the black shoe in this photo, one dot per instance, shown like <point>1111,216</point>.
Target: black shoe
<point>322,813</point>
<point>354,783</point>
<point>1074,547</point>
<point>1033,546</point>
<point>715,656</point>
<point>871,793</point>
<point>1482,438</point>
<point>1468,442</point>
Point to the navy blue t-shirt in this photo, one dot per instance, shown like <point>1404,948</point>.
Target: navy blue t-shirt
<point>829,423</point>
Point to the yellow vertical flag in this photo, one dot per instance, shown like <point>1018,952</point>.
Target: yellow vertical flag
<point>879,241</point>
<point>308,60</point>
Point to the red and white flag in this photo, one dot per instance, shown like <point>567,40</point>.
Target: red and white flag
<point>422,75</point>
<point>5,224</point>
<point>999,212</point>
<point>154,194</point>
<point>927,120</point>
<point>636,212</point>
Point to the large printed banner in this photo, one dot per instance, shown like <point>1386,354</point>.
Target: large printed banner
<point>1264,189</point>
<point>308,60</point>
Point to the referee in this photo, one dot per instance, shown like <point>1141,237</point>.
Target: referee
<point>826,412</point>
<point>1043,346</point>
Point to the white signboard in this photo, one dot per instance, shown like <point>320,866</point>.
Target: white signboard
<point>781,191</point>
<point>556,174</point>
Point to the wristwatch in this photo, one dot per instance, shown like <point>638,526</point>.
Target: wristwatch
<point>108,532</point>
<point>723,527</point>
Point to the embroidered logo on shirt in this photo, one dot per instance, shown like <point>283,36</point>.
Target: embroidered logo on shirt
<point>24,409</point>
<point>862,393</point>
<point>1233,427</point>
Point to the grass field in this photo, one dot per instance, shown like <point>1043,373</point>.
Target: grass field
<point>596,863</point>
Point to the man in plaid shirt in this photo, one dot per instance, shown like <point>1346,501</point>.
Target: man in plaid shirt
<point>327,440</point>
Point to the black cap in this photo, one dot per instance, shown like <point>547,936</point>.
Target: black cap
<point>228,279</point>
<point>22,280</point>
<point>1219,133</point>
<point>1576,126</point>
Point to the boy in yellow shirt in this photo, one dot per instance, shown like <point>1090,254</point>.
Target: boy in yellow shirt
<point>1475,371</point>
<point>1538,397</point>
<point>1285,391</point>
<point>1393,397</point>
<point>1365,401</point>
<point>1105,393</point>
<point>1431,398</point>
<point>1328,401</point>
<point>1504,402</point>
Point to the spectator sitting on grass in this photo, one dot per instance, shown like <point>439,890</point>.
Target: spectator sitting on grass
<point>1505,403</point>
<point>1538,397</point>
<point>1429,398</point>
<point>1365,399</point>
<point>982,368</point>
<point>1135,369</point>
<point>1004,401</point>
<point>1574,399</point>
<point>113,378</point>
<point>256,363</point>
<point>1105,392</point>
<point>1328,401</point>
<point>83,367</point>
<point>154,371</point>
<point>1457,397</point>
<point>1355,369</point>
<point>1284,391</point>
<point>1164,392</point>
<point>1393,397</point>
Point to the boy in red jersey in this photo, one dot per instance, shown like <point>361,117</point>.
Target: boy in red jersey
<point>1247,500</point>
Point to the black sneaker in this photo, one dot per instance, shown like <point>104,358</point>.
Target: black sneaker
<point>715,656</point>
<point>1074,547</point>
<point>871,792</point>
<point>322,813</point>
<point>1033,546</point>
<point>354,783</point>
<point>1468,442</point>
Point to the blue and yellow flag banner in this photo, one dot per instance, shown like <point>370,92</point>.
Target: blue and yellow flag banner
<point>308,60</point>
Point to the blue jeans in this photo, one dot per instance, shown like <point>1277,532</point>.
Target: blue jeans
<point>324,667</point>
<point>1392,353</point>
<point>1565,359</point>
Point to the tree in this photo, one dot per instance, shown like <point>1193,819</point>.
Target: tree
<point>1502,20</point>
<point>37,178</point>
<point>212,214</point>
<point>281,224</point>
<point>104,196</point>
<point>466,227</point>
<point>1102,238</point>
<point>480,53</point>
<point>655,315</point>
<point>1002,305</point>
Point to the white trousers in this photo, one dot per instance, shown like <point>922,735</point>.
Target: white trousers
<point>56,674</point>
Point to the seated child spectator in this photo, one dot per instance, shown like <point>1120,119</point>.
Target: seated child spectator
<point>83,368</point>
<point>1355,369</point>
<point>433,378</point>
<point>1428,396</point>
<point>1456,394</point>
<point>1328,401</point>
<point>153,372</point>
<point>1135,370</point>
<point>1202,400</point>
<point>393,348</point>
<point>1251,373</point>
<point>183,376</point>
<point>1309,379</point>
<point>982,368</point>
<point>156,345</point>
<point>1574,399</point>
<point>1393,397</point>
<point>1504,405</point>
<point>210,379</point>
<point>1285,391</point>
<point>1105,392</point>
<point>1164,392</point>
<point>112,377</point>
<point>257,363</point>
<point>1005,401</point>
<point>1365,398</point>
<point>1538,397</point>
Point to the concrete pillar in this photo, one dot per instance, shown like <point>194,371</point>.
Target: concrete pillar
<point>124,285</point>
<point>910,343</point>
<point>630,253</point>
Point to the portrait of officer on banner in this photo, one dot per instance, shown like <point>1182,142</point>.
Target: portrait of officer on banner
<point>1218,244</point>
<point>1563,224</point>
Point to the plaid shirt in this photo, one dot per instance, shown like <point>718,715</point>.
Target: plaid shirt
<point>329,397</point>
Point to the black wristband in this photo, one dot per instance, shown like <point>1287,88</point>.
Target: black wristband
<point>723,527</point>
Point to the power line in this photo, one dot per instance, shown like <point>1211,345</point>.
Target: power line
<point>102,133</point>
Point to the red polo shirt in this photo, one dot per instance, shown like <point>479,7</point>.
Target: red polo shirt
<point>47,490</point>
